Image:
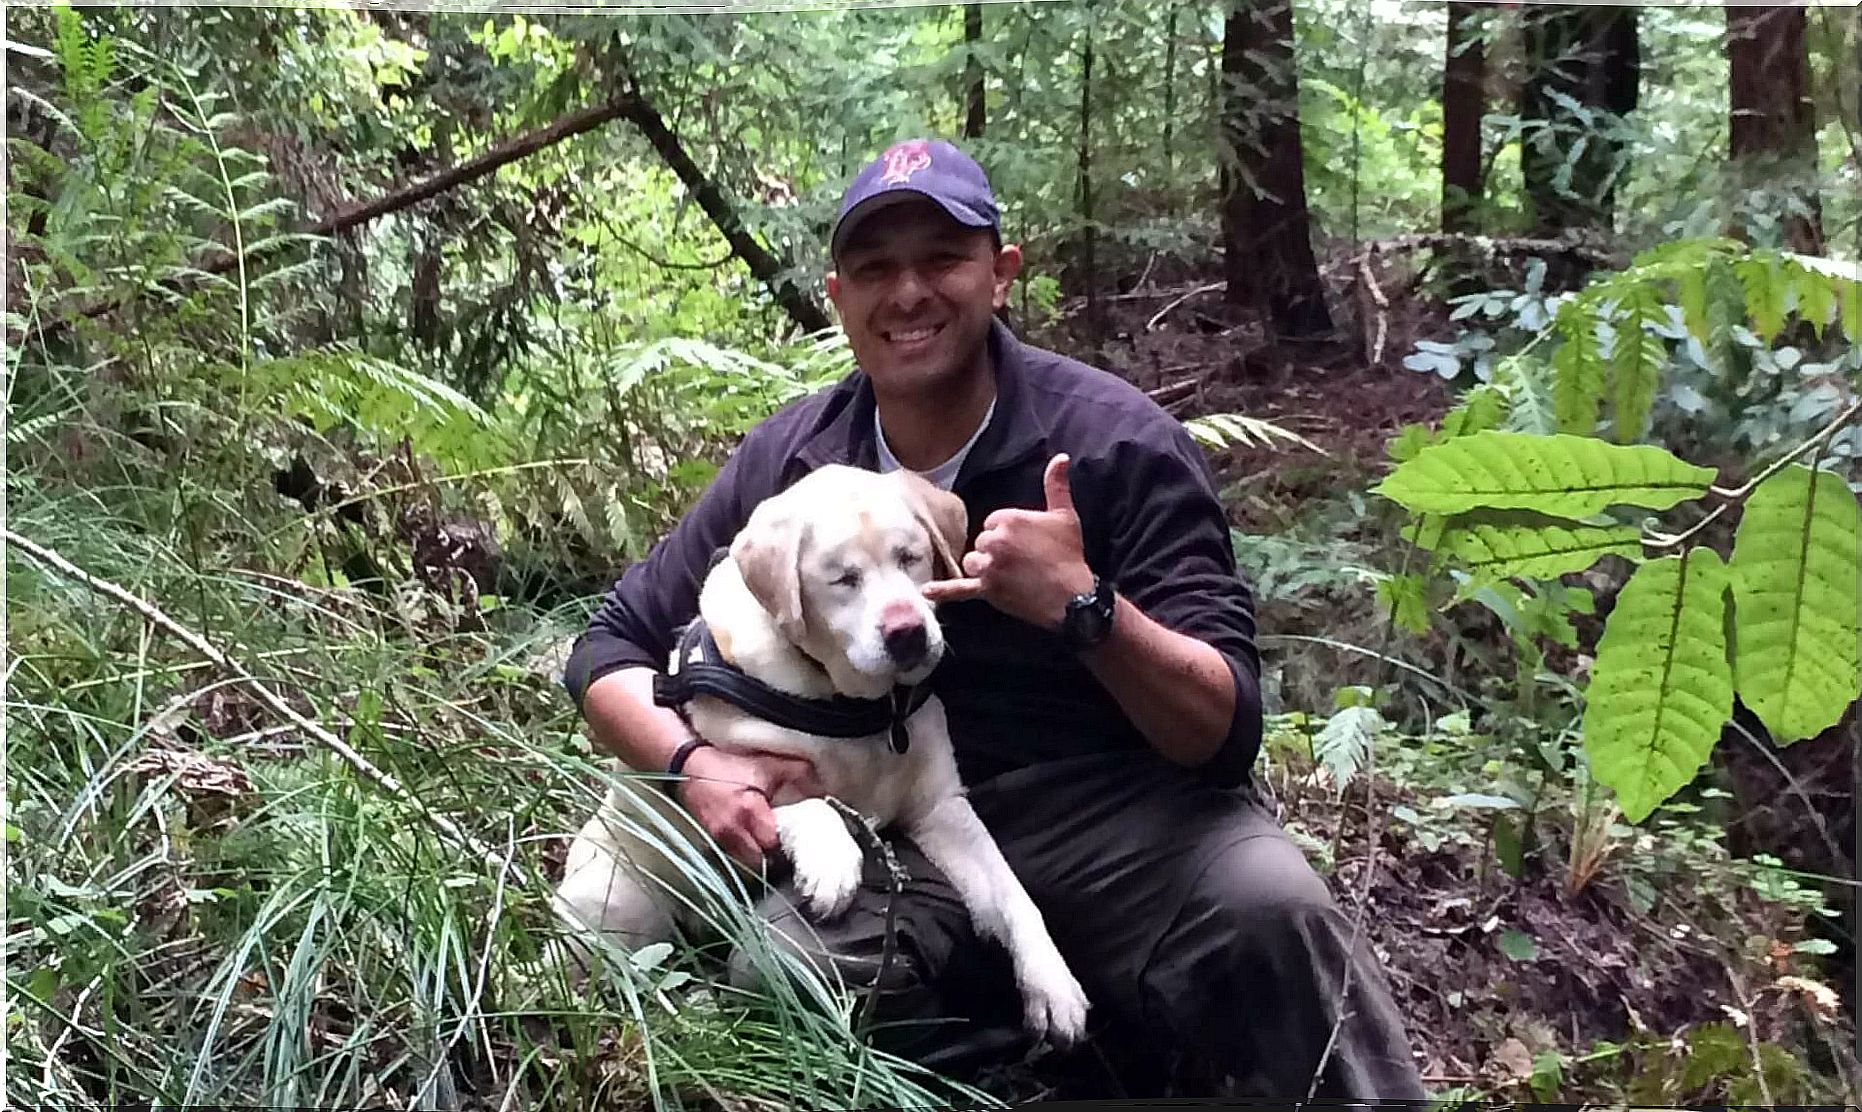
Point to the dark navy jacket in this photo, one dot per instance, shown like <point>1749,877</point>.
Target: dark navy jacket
<point>1148,515</point>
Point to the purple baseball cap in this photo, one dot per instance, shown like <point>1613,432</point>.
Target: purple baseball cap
<point>930,168</point>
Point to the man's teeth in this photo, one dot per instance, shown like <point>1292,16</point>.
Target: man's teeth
<point>914,335</point>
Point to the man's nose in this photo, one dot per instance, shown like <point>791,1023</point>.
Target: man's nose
<point>909,290</point>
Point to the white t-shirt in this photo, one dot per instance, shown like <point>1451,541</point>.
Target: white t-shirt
<point>944,474</point>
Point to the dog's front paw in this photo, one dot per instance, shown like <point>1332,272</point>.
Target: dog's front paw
<point>826,859</point>
<point>1054,1006</point>
<point>827,885</point>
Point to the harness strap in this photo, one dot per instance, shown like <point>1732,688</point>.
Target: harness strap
<point>839,716</point>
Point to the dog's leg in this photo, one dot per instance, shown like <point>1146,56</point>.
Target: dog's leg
<point>601,896</point>
<point>826,858</point>
<point>957,842</point>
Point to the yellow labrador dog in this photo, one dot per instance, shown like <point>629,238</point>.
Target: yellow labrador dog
<point>819,600</point>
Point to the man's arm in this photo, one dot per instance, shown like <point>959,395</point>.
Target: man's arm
<point>1190,686</point>
<point>610,672</point>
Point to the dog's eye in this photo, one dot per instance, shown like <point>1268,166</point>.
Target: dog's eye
<point>908,559</point>
<point>848,578</point>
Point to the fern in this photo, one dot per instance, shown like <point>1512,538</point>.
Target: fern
<point>1221,430</point>
<point>340,386</point>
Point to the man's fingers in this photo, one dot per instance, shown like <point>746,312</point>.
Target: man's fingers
<point>976,564</point>
<point>1058,485</point>
<point>952,590</point>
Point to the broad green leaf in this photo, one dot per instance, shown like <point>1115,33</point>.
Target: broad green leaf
<point>1852,311</point>
<point>1661,688</point>
<point>1796,608</point>
<point>1540,552</point>
<point>1565,476</point>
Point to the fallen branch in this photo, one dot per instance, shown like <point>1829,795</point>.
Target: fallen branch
<point>447,828</point>
<point>1151,325</point>
<point>1173,391</point>
<point>1382,303</point>
<point>575,123</point>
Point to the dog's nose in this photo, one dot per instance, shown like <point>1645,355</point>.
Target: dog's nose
<point>907,643</point>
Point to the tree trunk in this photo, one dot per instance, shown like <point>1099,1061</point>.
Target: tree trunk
<point>1464,74</point>
<point>1266,229</point>
<point>1774,124</point>
<point>1170,104</point>
<point>765,266</point>
<point>1590,54</point>
<point>1088,265</point>
<point>973,116</point>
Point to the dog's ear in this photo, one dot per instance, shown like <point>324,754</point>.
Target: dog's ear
<point>944,517</point>
<point>768,553</point>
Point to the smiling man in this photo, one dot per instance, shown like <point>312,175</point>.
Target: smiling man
<point>1101,682</point>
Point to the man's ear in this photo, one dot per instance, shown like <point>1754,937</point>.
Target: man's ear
<point>768,554</point>
<point>944,517</point>
<point>1008,266</point>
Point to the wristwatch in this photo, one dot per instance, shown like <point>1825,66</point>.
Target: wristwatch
<point>1088,619</point>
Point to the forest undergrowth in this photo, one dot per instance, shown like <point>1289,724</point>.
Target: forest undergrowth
<point>290,769</point>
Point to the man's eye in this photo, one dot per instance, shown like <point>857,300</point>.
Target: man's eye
<point>848,578</point>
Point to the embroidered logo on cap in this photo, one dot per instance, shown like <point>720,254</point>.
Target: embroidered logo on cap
<point>905,159</point>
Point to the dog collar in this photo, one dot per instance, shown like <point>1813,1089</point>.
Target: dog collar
<point>839,716</point>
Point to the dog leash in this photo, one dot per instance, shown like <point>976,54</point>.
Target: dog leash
<point>840,716</point>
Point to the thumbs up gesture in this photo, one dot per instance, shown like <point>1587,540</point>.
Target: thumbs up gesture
<point>1027,563</point>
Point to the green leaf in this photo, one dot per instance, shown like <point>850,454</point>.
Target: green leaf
<point>1481,410</point>
<point>1661,688</point>
<point>1796,607</point>
<point>1765,286</point>
<point>1538,551</point>
<point>1565,476</point>
<point>1820,946</point>
<point>1692,284</point>
<point>1852,311</point>
<point>1517,945</point>
<point>1403,596</point>
<point>1816,295</point>
<point>1577,369</point>
<point>1636,358</point>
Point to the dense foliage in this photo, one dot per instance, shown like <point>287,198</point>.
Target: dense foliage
<point>319,449</point>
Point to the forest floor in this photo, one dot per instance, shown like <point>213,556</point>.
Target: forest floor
<point>1651,964</point>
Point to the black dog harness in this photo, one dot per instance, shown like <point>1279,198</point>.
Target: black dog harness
<point>839,716</point>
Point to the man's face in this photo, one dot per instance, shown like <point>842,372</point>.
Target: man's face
<point>916,291</point>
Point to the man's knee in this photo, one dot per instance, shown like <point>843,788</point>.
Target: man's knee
<point>847,951</point>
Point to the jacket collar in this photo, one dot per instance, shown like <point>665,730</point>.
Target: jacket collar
<point>1016,431</point>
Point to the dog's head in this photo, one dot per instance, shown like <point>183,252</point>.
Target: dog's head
<point>837,560</point>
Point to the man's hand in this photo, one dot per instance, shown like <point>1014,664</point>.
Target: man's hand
<point>729,795</point>
<point>1028,563</point>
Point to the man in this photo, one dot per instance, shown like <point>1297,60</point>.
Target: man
<point>1101,683</point>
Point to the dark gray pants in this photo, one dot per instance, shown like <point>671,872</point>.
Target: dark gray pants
<point>1193,922</point>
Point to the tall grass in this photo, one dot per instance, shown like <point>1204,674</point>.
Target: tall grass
<point>203,908</point>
